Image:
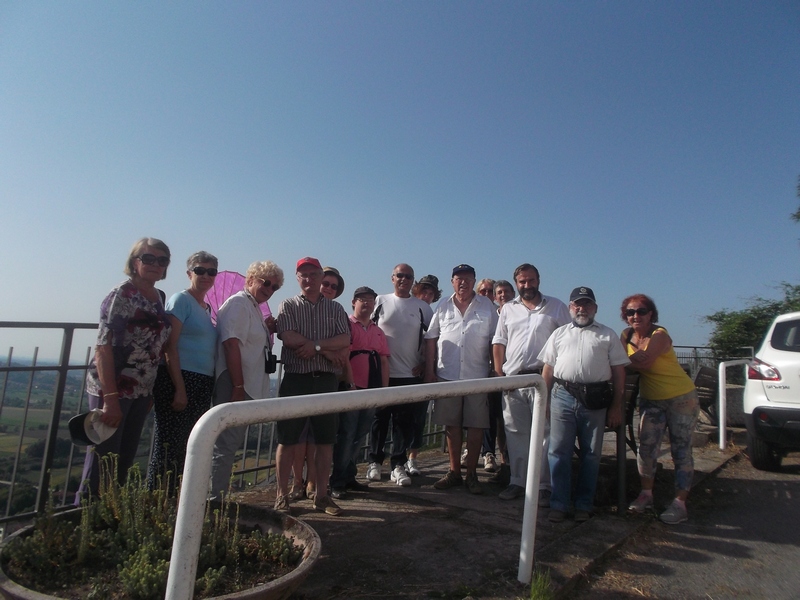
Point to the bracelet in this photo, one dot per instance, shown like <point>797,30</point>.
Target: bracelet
<point>106,395</point>
<point>236,387</point>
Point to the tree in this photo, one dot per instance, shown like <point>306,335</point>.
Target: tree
<point>796,214</point>
<point>735,330</point>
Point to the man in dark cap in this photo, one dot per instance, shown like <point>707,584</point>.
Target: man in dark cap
<point>459,346</point>
<point>584,369</point>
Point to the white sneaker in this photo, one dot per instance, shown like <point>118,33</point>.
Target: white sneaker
<point>374,472</point>
<point>490,464</point>
<point>411,467</point>
<point>400,477</point>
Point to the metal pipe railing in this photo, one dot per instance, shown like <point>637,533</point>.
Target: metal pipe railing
<point>197,469</point>
<point>723,398</point>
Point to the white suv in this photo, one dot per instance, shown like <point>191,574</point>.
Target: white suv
<point>772,395</point>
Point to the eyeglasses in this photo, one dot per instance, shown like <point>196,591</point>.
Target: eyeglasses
<point>151,259</point>
<point>403,275</point>
<point>212,272</point>
<point>267,283</point>
<point>368,300</point>
<point>333,286</point>
<point>636,311</point>
<point>485,291</point>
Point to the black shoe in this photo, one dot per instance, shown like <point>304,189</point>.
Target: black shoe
<point>356,486</point>
<point>338,493</point>
<point>502,477</point>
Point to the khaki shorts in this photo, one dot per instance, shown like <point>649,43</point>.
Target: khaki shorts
<point>462,411</point>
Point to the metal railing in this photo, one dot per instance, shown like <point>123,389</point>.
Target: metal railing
<point>18,472</point>
<point>192,503</point>
<point>62,369</point>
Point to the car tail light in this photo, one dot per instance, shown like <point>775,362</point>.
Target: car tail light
<point>758,369</point>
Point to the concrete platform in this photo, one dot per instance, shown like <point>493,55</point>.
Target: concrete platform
<point>419,542</point>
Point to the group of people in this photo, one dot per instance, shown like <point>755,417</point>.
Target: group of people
<point>167,353</point>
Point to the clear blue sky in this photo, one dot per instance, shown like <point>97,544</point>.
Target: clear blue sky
<point>629,146</point>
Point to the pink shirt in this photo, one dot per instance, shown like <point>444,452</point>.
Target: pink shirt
<point>371,338</point>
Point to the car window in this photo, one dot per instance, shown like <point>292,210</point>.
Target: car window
<point>786,336</point>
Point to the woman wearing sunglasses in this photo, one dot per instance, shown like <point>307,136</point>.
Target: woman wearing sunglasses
<point>131,338</point>
<point>243,342</point>
<point>185,381</point>
<point>667,400</point>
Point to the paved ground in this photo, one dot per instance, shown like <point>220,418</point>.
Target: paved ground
<point>742,541</point>
<point>419,542</point>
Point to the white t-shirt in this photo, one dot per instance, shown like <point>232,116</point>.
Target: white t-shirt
<point>240,317</point>
<point>403,321</point>
<point>464,341</point>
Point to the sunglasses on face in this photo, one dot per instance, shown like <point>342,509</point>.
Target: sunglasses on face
<point>333,286</point>
<point>636,311</point>
<point>151,259</point>
<point>212,272</point>
<point>403,276</point>
<point>267,283</point>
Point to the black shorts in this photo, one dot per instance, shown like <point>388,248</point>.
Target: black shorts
<point>321,428</point>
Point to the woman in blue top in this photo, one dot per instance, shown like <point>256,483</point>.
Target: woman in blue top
<point>185,383</point>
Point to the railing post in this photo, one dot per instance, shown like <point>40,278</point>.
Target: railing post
<point>723,398</point>
<point>531,507</point>
<point>43,492</point>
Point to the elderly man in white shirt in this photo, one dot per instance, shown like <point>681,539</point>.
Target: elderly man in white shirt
<point>584,369</point>
<point>458,346</point>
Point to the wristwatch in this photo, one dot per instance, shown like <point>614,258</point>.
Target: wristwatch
<point>317,347</point>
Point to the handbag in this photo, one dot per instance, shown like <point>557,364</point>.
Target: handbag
<point>593,396</point>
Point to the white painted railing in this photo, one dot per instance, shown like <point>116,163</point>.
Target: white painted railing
<point>723,398</point>
<point>197,470</point>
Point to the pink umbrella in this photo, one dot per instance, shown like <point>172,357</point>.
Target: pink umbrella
<point>226,285</point>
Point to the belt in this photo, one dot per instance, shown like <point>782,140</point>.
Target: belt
<point>531,371</point>
<point>565,384</point>
<point>312,374</point>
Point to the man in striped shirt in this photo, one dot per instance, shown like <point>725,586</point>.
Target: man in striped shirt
<point>309,325</point>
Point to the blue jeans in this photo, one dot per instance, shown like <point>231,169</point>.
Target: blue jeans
<point>568,419</point>
<point>354,425</point>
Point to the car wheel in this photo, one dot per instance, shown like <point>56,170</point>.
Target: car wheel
<point>763,456</point>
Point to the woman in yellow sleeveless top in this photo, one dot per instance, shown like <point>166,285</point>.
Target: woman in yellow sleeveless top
<point>667,400</point>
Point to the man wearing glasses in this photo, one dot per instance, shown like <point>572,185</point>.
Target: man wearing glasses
<point>309,325</point>
<point>404,320</point>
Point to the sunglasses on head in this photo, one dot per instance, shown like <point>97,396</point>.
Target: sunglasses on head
<point>333,286</point>
<point>212,272</point>
<point>636,311</point>
<point>151,259</point>
<point>267,283</point>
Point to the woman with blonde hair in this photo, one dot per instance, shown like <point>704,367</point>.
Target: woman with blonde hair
<point>243,342</point>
